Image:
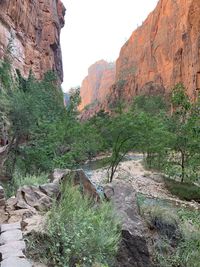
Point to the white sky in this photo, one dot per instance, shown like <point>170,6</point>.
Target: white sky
<point>97,29</point>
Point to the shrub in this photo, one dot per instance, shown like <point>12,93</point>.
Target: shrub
<point>79,233</point>
<point>185,252</point>
<point>186,191</point>
<point>20,180</point>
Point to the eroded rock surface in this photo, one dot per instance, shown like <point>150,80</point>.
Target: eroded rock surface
<point>163,51</point>
<point>33,27</point>
<point>95,87</point>
<point>133,251</point>
<point>30,201</point>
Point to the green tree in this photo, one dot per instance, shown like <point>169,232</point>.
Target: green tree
<point>180,125</point>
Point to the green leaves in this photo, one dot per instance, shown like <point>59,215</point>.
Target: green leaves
<point>81,232</point>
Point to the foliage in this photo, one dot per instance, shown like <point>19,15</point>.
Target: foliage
<point>20,180</point>
<point>184,125</point>
<point>182,252</point>
<point>44,135</point>
<point>150,104</point>
<point>186,191</point>
<point>143,128</point>
<point>80,233</point>
<point>74,102</point>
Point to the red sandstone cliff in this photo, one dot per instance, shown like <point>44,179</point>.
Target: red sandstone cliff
<point>165,50</point>
<point>34,30</point>
<point>95,86</point>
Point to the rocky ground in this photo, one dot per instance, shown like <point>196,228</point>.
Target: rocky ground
<point>130,178</point>
<point>150,183</point>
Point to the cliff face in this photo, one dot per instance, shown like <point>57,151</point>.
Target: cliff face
<point>95,86</point>
<point>34,30</point>
<point>165,50</point>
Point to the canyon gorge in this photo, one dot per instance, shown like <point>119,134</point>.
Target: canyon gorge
<point>163,51</point>
<point>99,181</point>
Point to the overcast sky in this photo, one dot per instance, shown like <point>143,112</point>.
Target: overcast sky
<point>97,29</point>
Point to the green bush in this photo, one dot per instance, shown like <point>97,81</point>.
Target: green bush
<point>20,180</point>
<point>80,232</point>
<point>186,191</point>
<point>183,251</point>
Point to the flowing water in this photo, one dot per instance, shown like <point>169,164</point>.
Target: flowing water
<point>96,164</point>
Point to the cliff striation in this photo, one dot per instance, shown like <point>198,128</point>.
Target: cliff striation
<point>34,30</point>
<point>95,86</point>
<point>163,51</point>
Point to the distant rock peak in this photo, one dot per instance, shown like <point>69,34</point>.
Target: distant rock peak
<point>95,87</point>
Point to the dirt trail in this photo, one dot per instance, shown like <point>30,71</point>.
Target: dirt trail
<point>142,181</point>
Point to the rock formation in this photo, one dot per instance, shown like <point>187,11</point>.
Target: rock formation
<point>163,51</point>
<point>95,86</point>
<point>133,250</point>
<point>33,28</point>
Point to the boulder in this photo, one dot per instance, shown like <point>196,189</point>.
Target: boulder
<point>58,174</point>
<point>51,189</point>
<point>32,196</point>
<point>78,177</point>
<point>30,200</point>
<point>133,250</point>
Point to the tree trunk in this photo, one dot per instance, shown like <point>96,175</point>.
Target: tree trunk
<point>182,166</point>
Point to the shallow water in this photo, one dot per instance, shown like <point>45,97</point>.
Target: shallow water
<point>104,162</point>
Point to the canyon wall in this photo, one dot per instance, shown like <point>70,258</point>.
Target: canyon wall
<point>95,86</point>
<point>164,51</point>
<point>33,29</point>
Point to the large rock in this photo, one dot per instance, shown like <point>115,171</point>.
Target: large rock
<point>34,29</point>
<point>40,198</point>
<point>58,174</point>
<point>133,250</point>
<point>32,196</point>
<point>78,177</point>
<point>163,51</point>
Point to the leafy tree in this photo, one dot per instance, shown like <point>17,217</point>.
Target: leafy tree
<point>75,101</point>
<point>183,125</point>
<point>124,139</point>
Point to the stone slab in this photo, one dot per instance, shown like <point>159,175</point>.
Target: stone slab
<point>8,236</point>
<point>13,246</point>
<point>15,262</point>
<point>1,189</point>
<point>10,226</point>
<point>12,253</point>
